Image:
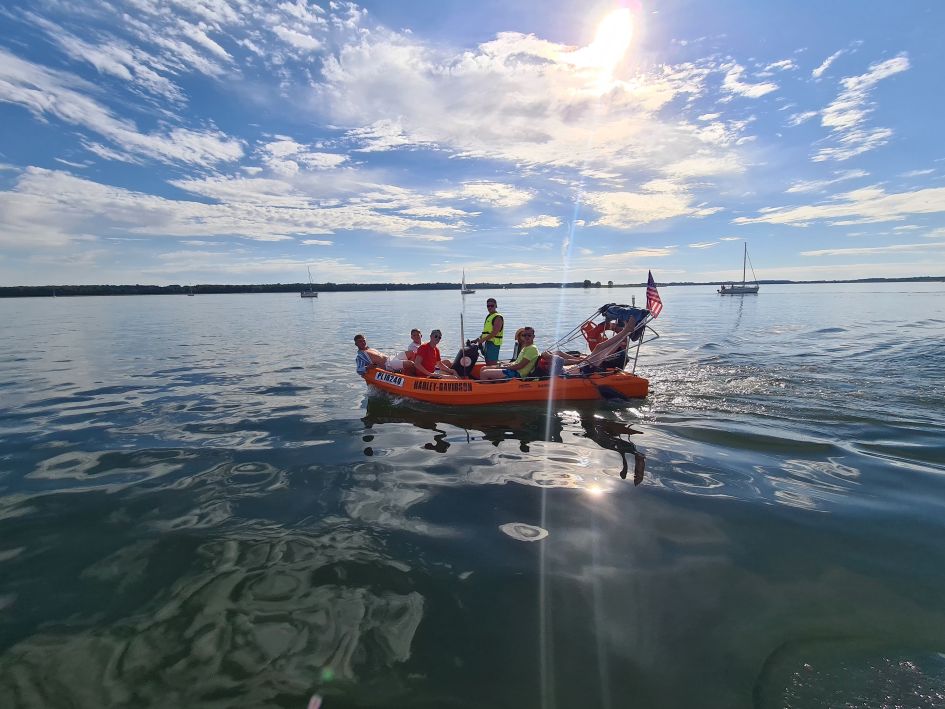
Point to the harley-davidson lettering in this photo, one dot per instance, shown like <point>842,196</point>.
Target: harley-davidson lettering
<point>390,379</point>
<point>428,385</point>
<point>455,386</point>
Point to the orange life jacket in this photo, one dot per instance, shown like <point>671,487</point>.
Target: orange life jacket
<point>594,334</point>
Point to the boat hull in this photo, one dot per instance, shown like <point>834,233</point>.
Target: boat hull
<point>738,290</point>
<point>472,392</point>
<point>309,294</point>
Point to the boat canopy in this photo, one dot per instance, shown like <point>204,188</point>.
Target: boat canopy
<point>613,317</point>
<point>622,314</point>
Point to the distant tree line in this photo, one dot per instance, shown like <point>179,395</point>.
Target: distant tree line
<point>206,288</point>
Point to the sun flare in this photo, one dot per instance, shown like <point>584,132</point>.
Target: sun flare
<point>612,39</point>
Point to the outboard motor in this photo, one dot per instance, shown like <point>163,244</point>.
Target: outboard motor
<point>466,358</point>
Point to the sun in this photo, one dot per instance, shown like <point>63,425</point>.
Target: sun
<point>612,39</point>
<point>614,34</point>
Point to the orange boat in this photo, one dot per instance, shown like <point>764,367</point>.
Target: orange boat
<point>607,379</point>
<point>613,384</point>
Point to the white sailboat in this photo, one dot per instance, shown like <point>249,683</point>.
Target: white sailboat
<point>743,288</point>
<point>311,292</point>
<point>463,289</point>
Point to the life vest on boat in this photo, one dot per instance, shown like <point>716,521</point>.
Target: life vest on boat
<point>487,328</point>
<point>594,333</point>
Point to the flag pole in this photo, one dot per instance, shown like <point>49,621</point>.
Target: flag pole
<point>654,305</point>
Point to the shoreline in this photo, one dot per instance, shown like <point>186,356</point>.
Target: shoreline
<point>211,289</point>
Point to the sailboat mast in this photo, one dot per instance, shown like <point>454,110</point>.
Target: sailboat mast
<point>744,259</point>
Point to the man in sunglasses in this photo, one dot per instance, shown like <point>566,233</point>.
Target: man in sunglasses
<point>492,330</point>
<point>429,363</point>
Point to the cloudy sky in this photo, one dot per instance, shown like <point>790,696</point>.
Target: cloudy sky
<point>231,141</point>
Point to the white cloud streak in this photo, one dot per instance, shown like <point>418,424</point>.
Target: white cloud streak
<point>495,194</point>
<point>48,93</point>
<point>864,206</point>
<point>875,250</point>
<point>846,116</point>
<point>819,71</point>
<point>626,210</point>
<point>51,208</point>
<point>114,58</point>
<point>816,185</point>
<point>540,222</point>
<point>733,84</point>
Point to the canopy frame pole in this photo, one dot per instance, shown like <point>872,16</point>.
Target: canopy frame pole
<point>646,326</point>
<point>636,354</point>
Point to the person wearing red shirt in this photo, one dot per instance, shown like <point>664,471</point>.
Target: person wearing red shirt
<point>429,363</point>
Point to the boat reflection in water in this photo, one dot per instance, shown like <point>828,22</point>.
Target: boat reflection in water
<point>525,423</point>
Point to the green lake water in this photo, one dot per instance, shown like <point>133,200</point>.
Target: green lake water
<point>202,506</point>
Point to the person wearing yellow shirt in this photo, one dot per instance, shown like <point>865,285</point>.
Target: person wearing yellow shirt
<point>521,367</point>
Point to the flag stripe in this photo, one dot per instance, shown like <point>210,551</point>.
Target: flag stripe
<point>653,301</point>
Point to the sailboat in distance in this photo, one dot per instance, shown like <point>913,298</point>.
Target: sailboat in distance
<point>463,289</point>
<point>743,288</point>
<point>311,292</point>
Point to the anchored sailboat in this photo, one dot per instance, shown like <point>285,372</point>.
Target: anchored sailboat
<point>311,292</point>
<point>744,288</point>
<point>464,290</point>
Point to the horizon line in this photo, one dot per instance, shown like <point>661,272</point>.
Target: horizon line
<point>218,288</point>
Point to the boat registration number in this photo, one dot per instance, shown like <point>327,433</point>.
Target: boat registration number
<point>390,379</point>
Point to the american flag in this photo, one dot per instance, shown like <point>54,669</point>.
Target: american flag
<point>653,302</point>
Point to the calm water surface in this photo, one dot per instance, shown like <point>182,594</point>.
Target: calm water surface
<point>202,506</point>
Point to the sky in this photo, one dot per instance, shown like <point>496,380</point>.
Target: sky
<point>229,141</point>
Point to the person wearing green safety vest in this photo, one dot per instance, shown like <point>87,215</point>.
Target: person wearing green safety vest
<point>492,329</point>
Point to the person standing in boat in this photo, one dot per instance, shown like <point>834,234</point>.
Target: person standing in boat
<point>429,363</point>
<point>492,330</point>
<point>522,366</point>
